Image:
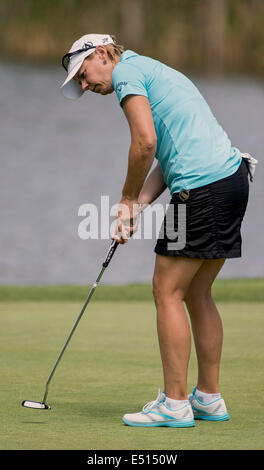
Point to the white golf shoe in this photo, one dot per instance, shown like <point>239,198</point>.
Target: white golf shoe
<point>213,411</point>
<point>157,413</point>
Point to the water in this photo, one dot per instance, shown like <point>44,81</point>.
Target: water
<point>58,154</point>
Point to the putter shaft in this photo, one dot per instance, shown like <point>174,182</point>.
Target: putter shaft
<point>108,257</point>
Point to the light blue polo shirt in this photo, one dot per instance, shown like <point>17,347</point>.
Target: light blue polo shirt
<point>192,148</point>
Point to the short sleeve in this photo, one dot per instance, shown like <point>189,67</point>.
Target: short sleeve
<point>128,80</point>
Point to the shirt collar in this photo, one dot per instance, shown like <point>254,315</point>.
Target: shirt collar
<point>127,54</point>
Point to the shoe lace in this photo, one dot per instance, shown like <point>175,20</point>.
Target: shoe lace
<point>148,407</point>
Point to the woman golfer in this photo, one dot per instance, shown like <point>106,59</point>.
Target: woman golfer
<point>208,181</point>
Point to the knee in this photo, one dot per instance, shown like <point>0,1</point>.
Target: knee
<point>164,293</point>
<point>198,294</point>
<point>157,292</point>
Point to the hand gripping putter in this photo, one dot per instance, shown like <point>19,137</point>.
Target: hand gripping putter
<point>42,405</point>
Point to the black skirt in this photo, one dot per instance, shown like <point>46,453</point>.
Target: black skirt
<point>206,222</point>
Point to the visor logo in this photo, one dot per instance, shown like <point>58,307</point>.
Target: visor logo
<point>87,45</point>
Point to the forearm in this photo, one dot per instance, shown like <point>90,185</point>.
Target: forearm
<point>139,163</point>
<point>153,186</point>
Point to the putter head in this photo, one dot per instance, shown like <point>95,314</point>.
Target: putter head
<point>35,404</point>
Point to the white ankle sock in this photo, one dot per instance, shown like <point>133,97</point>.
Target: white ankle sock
<point>175,404</point>
<point>207,397</point>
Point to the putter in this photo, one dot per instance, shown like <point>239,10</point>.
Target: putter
<point>42,405</point>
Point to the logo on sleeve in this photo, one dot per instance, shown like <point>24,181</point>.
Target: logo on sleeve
<point>120,85</point>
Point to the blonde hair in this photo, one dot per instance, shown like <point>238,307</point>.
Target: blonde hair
<point>114,49</point>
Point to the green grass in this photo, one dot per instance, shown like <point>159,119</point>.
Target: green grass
<point>225,290</point>
<point>112,366</point>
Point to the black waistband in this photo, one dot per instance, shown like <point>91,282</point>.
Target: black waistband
<point>185,194</point>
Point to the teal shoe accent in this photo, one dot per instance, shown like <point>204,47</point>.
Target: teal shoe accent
<point>204,417</point>
<point>170,424</point>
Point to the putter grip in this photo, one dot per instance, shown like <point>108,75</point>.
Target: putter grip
<point>110,253</point>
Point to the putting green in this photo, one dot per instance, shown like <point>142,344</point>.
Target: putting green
<point>112,366</point>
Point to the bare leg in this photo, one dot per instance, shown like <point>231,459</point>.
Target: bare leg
<point>206,325</point>
<point>172,277</point>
